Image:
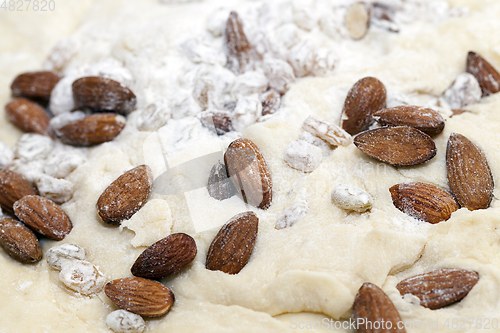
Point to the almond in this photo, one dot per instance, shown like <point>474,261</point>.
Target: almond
<point>19,241</point>
<point>35,84</point>
<point>399,146</point>
<point>424,119</point>
<point>13,187</point>
<point>100,94</point>
<point>485,74</point>
<point>165,257</point>
<point>217,121</point>
<point>423,201</point>
<point>28,116</point>
<point>357,20</point>
<point>367,96</point>
<point>92,130</point>
<point>468,172</point>
<point>219,186</point>
<point>43,216</point>
<point>374,311</point>
<point>126,195</point>
<point>141,296</point>
<point>232,246</point>
<point>271,102</point>
<point>239,52</point>
<point>439,288</point>
<point>326,131</point>
<point>249,172</point>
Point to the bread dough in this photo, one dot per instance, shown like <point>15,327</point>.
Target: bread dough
<point>318,264</point>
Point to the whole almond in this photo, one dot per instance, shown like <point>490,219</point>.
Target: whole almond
<point>43,216</point>
<point>399,146</point>
<point>485,74</point>
<point>28,116</point>
<point>35,84</point>
<point>424,119</point>
<point>374,311</point>
<point>439,288</point>
<point>423,201</point>
<point>19,241</point>
<point>165,257</point>
<point>357,20</point>
<point>141,296</point>
<point>13,187</point>
<point>219,186</point>
<point>92,130</point>
<point>469,174</point>
<point>367,96</point>
<point>100,94</point>
<point>271,102</point>
<point>126,195</point>
<point>249,172</point>
<point>232,246</point>
<point>239,52</point>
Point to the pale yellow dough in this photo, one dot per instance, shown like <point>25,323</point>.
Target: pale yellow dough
<point>318,264</point>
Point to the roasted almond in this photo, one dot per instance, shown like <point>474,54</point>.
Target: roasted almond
<point>367,96</point>
<point>399,146</point>
<point>100,94</point>
<point>468,172</point>
<point>424,119</point>
<point>240,54</point>
<point>13,187</point>
<point>232,246</point>
<point>374,312</point>
<point>43,216</point>
<point>423,201</point>
<point>28,116</point>
<point>126,195</point>
<point>219,186</point>
<point>35,84</point>
<point>357,20</point>
<point>19,241</point>
<point>218,121</point>
<point>485,74</point>
<point>249,172</point>
<point>165,257</point>
<point>141,296</point>
<point>92,130</point>
<point>439,288</point>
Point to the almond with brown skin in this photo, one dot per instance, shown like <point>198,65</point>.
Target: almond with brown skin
<point>367,96</point>
<point>424,119</point>
<point>439,288</point>
<point>19,241</point>
<point>141,296</point>
<point>219,186</point>
<point>43,216</point>
<point>239,52</point>
<point>165,257</point>
<point>35,84</point>
<point>357,20</point>
<point>374,311</point>
<point>218,121</point>
<point>231,248</point>
<point>28,116</point>
<point>271,101</point>
<point>485,74</point>
<point>249,172</point>
<point>423,201</point>
<point>13,187</point>
<point>126,195</point>
<point>469,174</point>
<point>92,130</point>
<point>100,94</point>
<point>399,146</point>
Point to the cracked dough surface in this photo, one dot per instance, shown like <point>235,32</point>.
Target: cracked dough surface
<point>318,264</point>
